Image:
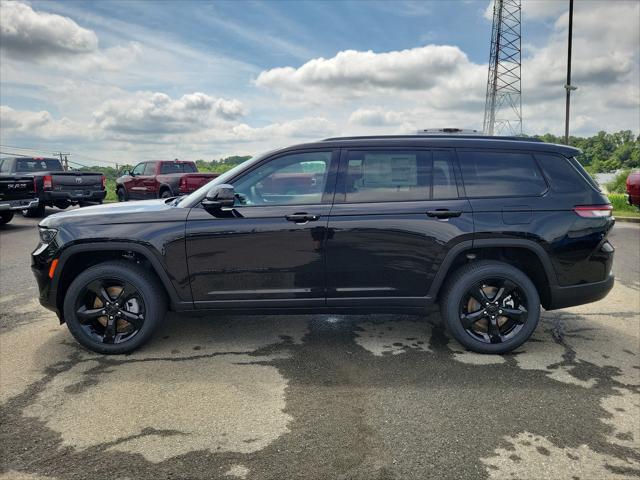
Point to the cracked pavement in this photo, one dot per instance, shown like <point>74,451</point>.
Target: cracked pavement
<point>319,396</point>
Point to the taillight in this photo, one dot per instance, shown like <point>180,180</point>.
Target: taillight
<point>104,182</point>
<point>593,211</point>
<point>183,184</point>
<point>35,185</point>
<point>47,182</point>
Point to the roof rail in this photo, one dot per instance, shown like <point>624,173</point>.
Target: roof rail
<point>435,135</point>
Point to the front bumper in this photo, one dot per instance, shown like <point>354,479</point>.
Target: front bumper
<point>19,204</point>
<point>41,259</point>
<point>562,297</point>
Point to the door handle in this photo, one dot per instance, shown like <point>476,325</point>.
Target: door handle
<point>444,213</point>
<point>301,217</point>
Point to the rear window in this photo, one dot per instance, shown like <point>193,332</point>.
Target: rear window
<point>172,167</point>
<point>500,174</point>
<point>562,176</point>
<point>37,165</point>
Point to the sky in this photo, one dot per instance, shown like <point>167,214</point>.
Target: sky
<point>125,81</point>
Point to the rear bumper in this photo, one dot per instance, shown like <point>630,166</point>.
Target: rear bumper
<point>73,197</point>
<point>562,297</point>
<point>19,204</point>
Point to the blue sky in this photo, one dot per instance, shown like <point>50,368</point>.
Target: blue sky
<point>116,79</point>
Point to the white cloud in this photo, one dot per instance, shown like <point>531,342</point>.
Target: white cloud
<point>39,124</point>
<point>28,34</point>
<point>148,112</point>
<point>376,117</point>
<point>354,72</point>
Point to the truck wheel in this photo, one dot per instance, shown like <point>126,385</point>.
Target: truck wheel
<point>114,307</point>
<point>166,193</point>
<point>490,306</point>
<point>122,195</point>
<point>36,212</point>
<point>5,217</point>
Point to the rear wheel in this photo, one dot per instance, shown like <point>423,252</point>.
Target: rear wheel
<point>114,307</point>
<point>36,212</point>
<point>6,217</point>
<point>166,193</point>
<point>490,307</point>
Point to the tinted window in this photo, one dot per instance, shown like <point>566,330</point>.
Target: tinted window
<point>578,166</point>
<point>138,169</point>
<point>444,181</point>
<point>37,165</point>
<point>173,167</point>
<point>5,166</point>
<point>387,176</point>
<point>500,174</point>
<point>150,169</point>
<point>296,179</point>
<point>560,173</point>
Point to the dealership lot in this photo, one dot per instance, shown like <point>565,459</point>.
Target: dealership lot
<point>370,397</point>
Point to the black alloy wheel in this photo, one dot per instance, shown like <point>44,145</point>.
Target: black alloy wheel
<point>110,310</point>
<point>490,306</point>
<point>494,310</point>
<point>114,307</point>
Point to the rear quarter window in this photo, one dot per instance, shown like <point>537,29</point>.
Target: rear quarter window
<point>561,175</point>
<point>500,174</point>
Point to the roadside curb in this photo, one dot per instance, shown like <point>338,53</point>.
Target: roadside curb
<point>627,219</point>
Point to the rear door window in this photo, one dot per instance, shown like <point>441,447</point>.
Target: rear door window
<point>444,180</point>
<point>173,167</point>
<point>500,174</point>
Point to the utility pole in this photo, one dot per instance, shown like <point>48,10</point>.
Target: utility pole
<point>64,160</point>
<point>568,87</point>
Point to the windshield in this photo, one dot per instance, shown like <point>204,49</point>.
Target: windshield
<point>194,197</point>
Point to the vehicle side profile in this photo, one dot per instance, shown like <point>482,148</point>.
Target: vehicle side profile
<point>491,228</point>
<point>160,179</point>
<point>55,187</point>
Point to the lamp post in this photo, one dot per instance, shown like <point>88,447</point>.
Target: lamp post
<point>568,87</point>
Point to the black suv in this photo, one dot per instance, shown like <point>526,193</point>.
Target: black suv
<point>491,228</point>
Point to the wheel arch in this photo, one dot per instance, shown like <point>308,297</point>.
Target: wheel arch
<point>79,257</point>
<point>525,255</point>
<point>163,187</point>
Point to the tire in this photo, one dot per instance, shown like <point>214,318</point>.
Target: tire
<point>150,303</point>
<point>36,212</point>
<point>122,195</point>
<point>488,275</point>
<point>166,193</point>
<point>6,217</point>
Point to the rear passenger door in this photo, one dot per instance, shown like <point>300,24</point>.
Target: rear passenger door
<point>397,212</point>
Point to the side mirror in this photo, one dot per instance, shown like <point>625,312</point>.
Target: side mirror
<point>219,196</point>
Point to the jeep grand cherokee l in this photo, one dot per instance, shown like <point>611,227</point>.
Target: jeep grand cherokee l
<point>491,228</point>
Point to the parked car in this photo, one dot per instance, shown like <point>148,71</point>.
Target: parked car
<point>55,186</point>
<point>160,179</point>
<point>633,188</point>
<point>16,193</point>
<point>491,228</point>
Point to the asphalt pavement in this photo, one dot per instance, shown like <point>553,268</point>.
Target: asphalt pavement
<point>320,396</point>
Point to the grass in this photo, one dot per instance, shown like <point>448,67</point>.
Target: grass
<point>620,206</point>
<point>111,191</point>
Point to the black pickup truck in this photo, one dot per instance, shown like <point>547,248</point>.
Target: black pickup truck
<point>17,192</point>
<point>54,186</point>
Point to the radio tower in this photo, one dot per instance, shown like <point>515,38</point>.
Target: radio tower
<point>503,106</point>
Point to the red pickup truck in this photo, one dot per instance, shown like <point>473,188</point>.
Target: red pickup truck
<point>160,179</point>
<point>633,188</point>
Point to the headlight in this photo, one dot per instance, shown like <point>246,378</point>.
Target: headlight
<point>47,235</point>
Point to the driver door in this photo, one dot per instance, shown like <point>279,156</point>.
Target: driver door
<point>134,186</point>
<point>270,246</point>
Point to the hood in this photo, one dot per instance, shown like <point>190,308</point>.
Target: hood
<point>125,212</point>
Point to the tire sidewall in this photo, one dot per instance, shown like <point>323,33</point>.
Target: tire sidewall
<point>451,315</point>
<point>6,217</point>
<point>153,301</point>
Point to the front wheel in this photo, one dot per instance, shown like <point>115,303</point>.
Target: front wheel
<point>122,195</point>
<point>114,307</point>
<point>490,307</point>
<point>6,217</point>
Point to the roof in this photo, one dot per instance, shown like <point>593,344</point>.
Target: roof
<point>443,141</point>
